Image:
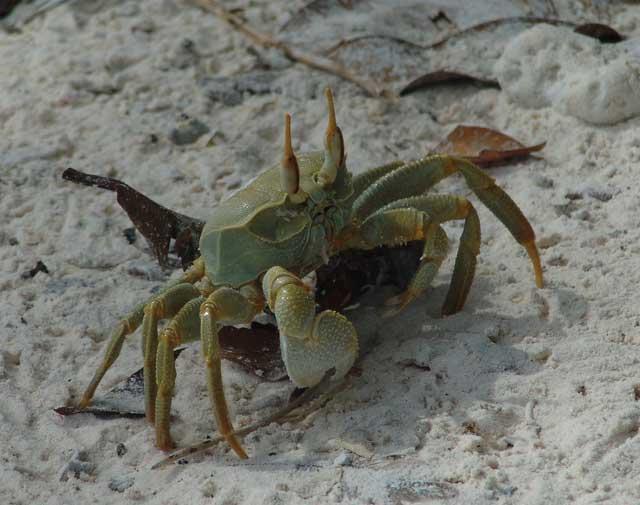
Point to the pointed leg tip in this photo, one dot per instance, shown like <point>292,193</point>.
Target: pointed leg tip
<point>237,448</point>
<point>534,256</point>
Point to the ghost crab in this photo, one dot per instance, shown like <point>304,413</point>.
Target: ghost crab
<point>262,240</point>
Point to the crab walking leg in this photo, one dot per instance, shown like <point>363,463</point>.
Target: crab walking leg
<point>364,180</point>
<point>164,306</point>
<point>420,175</point>
<point>182,328</point>
<point>397,226</point>
<point>311,343</point>
<point>443,208</point>
<point>224,306</point>
<point>130,324</point>
<point>436,247</point>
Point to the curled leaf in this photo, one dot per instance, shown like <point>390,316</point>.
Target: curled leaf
<point>156,223</point>
<point>483,146</point>
<point>445,77</point>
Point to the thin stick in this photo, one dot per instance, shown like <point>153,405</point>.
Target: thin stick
<point>203,446</point>
<point>434,45</point>
<point>293,54</point>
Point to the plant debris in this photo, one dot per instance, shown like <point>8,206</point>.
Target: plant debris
<point>603,33</point>
<point>156,223</point>
<point>483,146</point>
<point>445,77</point>
<point>291,53</point>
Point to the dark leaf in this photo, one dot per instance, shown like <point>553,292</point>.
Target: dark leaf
<point>124,400</point>
<point>484,146</point>
<point>603,33</point>
<point>156,223</point>
<point>445,77</point>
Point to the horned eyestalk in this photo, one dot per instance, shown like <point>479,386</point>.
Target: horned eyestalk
<point>289,172</point>
<point>333,146</point>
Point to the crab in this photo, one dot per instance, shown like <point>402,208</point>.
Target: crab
<point>261,242</point>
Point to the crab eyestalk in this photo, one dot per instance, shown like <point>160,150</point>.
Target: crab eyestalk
<point>290,172</point>
<point>333,146</point>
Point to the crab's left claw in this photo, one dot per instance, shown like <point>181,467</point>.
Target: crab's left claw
<point>333,145</point>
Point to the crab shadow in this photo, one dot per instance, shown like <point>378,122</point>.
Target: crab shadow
<point>471,371</point>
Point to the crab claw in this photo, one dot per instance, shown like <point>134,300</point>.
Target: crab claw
<point>333,145</point>
<point>289,172</point>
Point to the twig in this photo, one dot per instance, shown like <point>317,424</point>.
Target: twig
<point>434,45</point>
<point>293,54</point>
<point>203,446</point>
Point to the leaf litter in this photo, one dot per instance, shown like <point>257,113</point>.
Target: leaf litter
<point>484,146</point>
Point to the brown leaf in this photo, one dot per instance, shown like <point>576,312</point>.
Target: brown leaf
<point>603,33</point>
<point>156,223</point>
<point>445,77</point>
<point>484,146</point>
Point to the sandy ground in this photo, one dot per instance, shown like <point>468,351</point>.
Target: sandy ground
<point>526,396</point>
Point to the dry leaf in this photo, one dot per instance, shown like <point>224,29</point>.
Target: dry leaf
<point>445,77</point>
<point>484,146</point>
<point>156,223</point>
<point>603,33</point>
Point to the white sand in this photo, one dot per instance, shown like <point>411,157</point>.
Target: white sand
<point>530,397</point>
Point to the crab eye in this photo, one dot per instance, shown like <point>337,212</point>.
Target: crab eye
<point>289,170</point>
<point>333,146</point>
